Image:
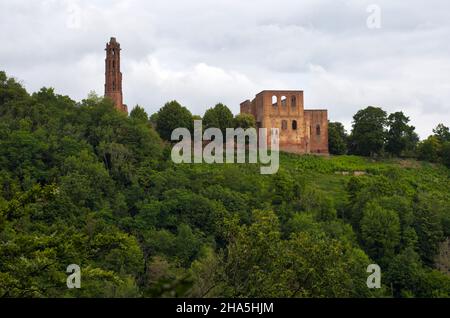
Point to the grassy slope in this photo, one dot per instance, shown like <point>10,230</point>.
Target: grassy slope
<point>331,174</point>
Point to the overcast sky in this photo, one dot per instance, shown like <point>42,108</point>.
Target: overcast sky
<point>201,52</point>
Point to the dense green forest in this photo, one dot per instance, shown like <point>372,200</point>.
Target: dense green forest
<point>81,183</point>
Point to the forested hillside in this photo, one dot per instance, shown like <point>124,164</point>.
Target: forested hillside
<point>81,183</point>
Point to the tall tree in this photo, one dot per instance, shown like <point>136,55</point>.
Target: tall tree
<point>380,231</point>
<point>171,116</point>
<point>400,135</point>
<point>368,135</point>
<point>10,89</point>
<point>428,213</point>
<point>442,132</point>
<point>138,113</point>
<point>218,117</point>
<point>337,138</point>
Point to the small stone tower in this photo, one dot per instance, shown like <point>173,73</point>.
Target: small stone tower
<point>113,76</point>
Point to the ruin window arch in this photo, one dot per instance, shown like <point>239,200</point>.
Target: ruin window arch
<point>318,130</point>
<point>293,101</point>
<point>114,85</point>
<point>294,125</point>
<point>284,124</point>
<point>283,101</point>
<point>274,100</point>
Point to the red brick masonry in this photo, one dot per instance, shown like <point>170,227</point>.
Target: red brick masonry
<point>301,131</point>
<point>113,76</point>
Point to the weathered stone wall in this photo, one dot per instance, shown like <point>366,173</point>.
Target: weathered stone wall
<point>317,123</point>
<point>285,110</point>
<point>113,76</point>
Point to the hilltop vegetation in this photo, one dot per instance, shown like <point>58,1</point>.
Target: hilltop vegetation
<point>81,183</point>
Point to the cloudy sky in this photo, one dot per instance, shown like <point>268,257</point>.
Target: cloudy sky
<point>201,52</point>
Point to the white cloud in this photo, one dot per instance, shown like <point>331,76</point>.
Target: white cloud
<point>197,86</point>
<point>201,52</point>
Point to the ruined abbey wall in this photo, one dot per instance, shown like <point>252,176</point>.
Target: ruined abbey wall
<point>301,131</point>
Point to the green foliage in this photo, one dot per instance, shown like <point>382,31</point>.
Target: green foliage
<point>259,263</point>
<point>436,148</point>
<point>81,183</point>
<point>337,138</point>
<point>410,279</point>
<point>244,121</point>
<point>429,149</point>
<point>220,117</point>
<point>10,89</point>
<point>400,137</point>
<point>171,116</point>
<point>380,231</point>
<point>138,113</point>
<point>153,119</point>
<point>429,210</point>
<point>446,154</point>
<point>368,134</point>
<point>442,133</point>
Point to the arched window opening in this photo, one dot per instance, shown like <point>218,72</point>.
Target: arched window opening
<point>114,85</point>
<point>294,125</point>
<point>293,101</point>
<point>284,124</point>
<point>274,101</point>
<point>283,101</point>
<point>318,130</point>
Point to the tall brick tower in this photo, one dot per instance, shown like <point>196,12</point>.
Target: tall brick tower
<point>113,76</point>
